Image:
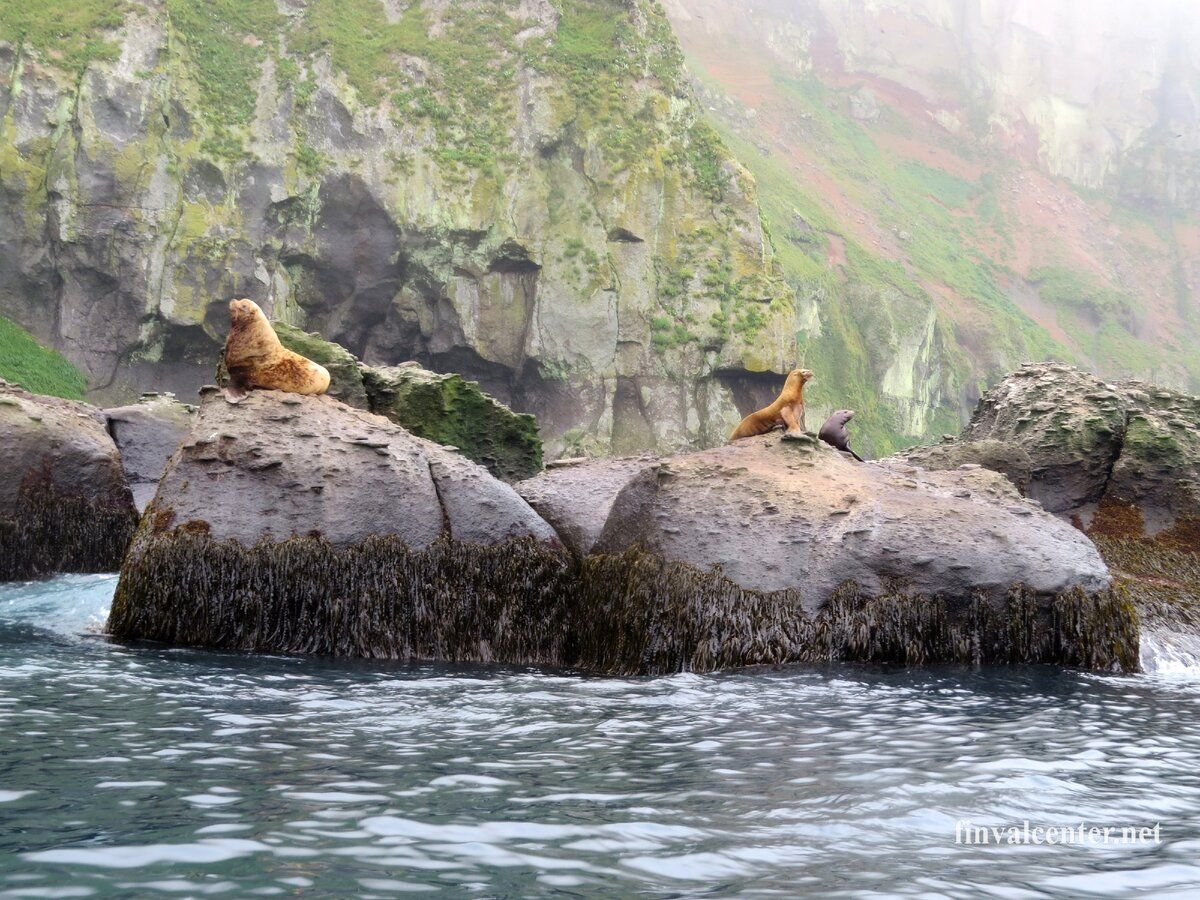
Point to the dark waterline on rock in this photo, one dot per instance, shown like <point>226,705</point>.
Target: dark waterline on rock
<point>141,771</point>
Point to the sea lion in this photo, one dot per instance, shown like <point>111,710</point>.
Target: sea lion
<point>834,433</point>
<point>787,410</point>
<point>254,357</point>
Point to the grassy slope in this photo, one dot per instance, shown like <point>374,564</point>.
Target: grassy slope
<point>929,207</point>
<point>41,371</point>
<point>1018,266</point>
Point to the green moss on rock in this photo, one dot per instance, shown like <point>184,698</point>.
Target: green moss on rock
<point>450,410</point>
<point>345,374</point>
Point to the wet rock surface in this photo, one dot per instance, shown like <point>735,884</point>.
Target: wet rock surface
<point>146,434</point>
<point>64,502</point>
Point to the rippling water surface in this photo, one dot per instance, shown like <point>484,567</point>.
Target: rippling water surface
<point>134,771</point>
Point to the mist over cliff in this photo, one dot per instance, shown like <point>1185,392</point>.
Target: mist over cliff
<point>954,187</point>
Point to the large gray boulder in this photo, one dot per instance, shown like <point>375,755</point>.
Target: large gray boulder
<point>146,434</point>
<point>295,523</point>
<point>782,515</point>
<point>64,502</point>
<point>278,466</point>
<point>771,551</point>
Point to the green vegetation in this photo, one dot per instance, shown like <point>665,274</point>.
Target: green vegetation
<point>949,190</point>
<point>227,43</point>
<point>867,297</point>
<point>39,370</point>
<point>468,96</point>
<point>1069,289</point>
<point>71,32</point>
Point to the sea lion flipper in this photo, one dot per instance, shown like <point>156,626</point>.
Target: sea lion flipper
<point>855,455</point>
<point>234,394</point>
<point>794,428</point>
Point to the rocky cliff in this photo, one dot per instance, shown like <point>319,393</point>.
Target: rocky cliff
<point>958,187</point>
<point>524,193</point>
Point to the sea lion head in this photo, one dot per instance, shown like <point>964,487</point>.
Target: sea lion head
<point>243,312</point>
<point>842,416</point>
<point>799,377</point>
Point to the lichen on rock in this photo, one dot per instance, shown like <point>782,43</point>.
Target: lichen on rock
<point>438,183</point>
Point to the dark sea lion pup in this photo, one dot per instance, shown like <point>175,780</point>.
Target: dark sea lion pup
<point>255,358</point>
<point>834,433</point>
<point>786,411</point>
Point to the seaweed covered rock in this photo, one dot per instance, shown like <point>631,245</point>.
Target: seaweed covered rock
<point>767,551</point>
<point>283,518</point>
<point>146,434</point>
<point>451,410</point>
<point>299,524</point>
<point>64,503</point>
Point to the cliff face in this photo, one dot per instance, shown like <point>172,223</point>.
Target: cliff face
<point>1105,94</point>
<point>523,193</point>
<point>958,187</point>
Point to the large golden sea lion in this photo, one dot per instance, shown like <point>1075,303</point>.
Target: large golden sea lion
<point>255,358</point>
<point>786,411</point>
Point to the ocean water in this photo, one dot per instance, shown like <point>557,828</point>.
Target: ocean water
<point>139,771</point>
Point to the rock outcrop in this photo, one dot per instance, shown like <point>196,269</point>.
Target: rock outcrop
<point>772,551</point>
<point>300,524</point>
<point>776,515</point>
<point>64,503</point>
<point>451,410</point>
<point>1121,459</point>
<point>446,409</point>
<point>146,434</point>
